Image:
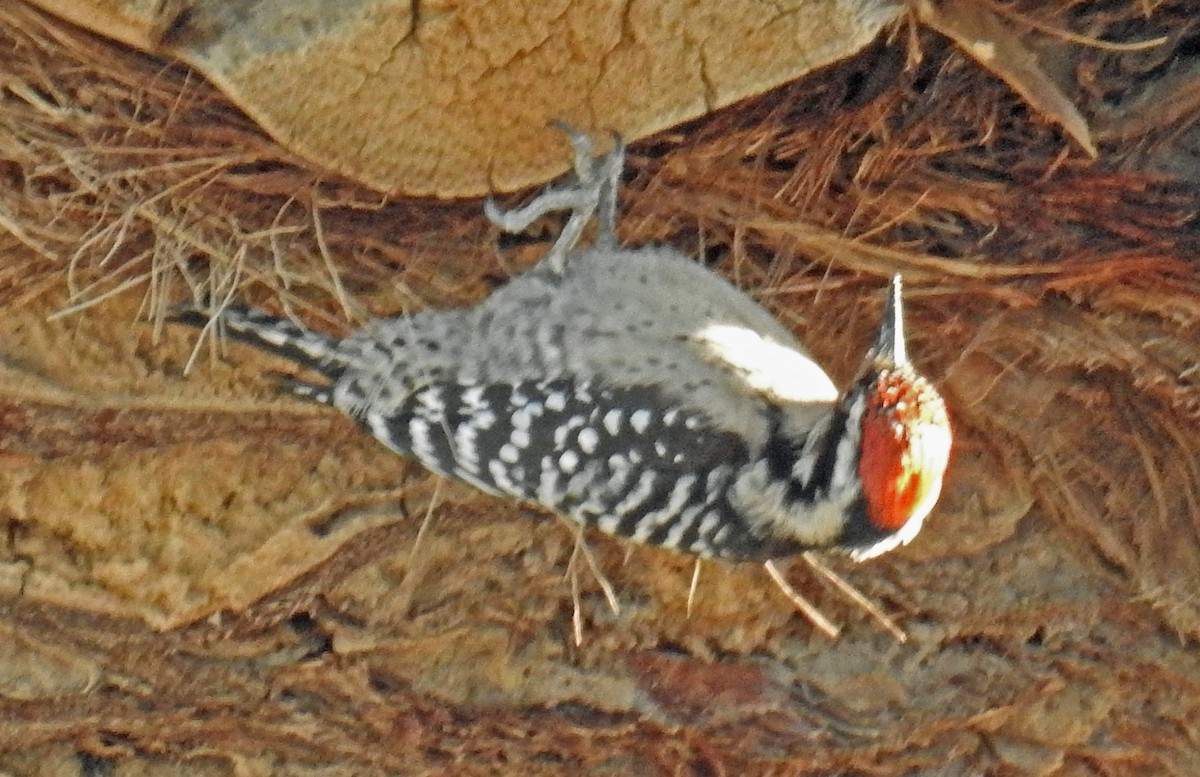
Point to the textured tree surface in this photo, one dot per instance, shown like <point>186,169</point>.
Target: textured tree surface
<point>418,97</point>
<point>199,577</point>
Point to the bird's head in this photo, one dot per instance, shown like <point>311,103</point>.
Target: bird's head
<point>905,436</point>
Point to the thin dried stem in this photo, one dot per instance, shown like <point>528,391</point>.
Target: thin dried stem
<point>582,549</point>
<point>695,584</point>
<point>576,611</point>
<point>610,594</point>
<point>807,608</point>
<point>855,596</point>
<point>416,564</point>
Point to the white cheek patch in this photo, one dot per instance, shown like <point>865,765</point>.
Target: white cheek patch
<point>934,443</point>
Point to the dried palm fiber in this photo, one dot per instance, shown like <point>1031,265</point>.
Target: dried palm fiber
<point>1053,297</point>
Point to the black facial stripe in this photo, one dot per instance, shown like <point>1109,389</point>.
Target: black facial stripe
<point>781,451</point>
<point>827,459</point>
<point>859,532</point>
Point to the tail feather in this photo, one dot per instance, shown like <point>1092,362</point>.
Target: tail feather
<point>272,334</point>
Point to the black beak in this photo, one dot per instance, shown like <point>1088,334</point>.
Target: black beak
<point>888,348</point>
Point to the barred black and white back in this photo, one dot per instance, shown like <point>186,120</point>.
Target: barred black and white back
<point>636,391</point>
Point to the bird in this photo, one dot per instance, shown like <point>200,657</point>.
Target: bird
<point>635,390</point>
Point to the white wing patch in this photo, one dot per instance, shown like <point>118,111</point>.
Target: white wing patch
<point>769,367</point>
